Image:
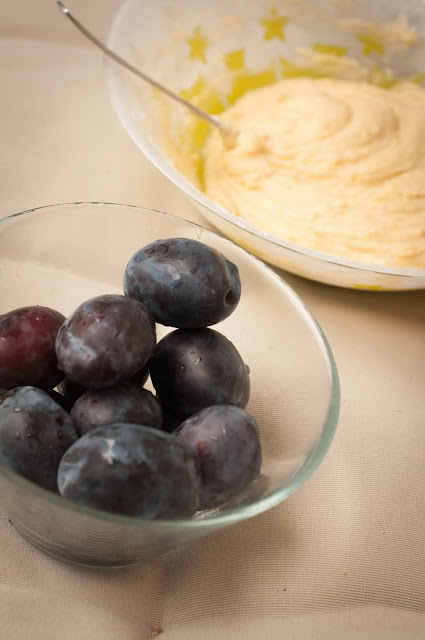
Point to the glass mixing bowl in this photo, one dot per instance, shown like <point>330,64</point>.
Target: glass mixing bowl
<point>61,255</point>
<point>208,51</point>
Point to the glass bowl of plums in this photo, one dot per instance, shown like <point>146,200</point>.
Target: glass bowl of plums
<point>158,383</point>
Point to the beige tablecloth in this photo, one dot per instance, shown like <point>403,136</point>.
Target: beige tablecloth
<point>343,557</point>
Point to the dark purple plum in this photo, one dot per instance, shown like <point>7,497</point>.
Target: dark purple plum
<point>35,432</point>
<point>226,443</point>
<point>183,282</point>
<point>105,341</point>
<point>27,348</point>
<point>70,390</point>
<point>193,369</point>
<point>131,470</point>
<point>125,402</point>
<point>141,376</point>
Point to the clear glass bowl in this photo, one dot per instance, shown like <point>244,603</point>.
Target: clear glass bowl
<point>59,256</point>
<point>168,40</point>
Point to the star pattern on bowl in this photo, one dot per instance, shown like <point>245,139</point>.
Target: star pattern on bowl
<point>198,45</point>
<point>274,26</point>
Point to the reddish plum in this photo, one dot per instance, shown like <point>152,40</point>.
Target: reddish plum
<point>27,348</point>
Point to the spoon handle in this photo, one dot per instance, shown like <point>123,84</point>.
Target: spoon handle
<point>199,112</point>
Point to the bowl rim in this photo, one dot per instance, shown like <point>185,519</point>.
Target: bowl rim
<point>237,514</point>
<point>144,143</point>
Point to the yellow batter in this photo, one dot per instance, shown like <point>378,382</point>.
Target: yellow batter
<point>333,165</point>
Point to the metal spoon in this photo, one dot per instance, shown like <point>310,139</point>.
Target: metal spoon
<point>224,129</point>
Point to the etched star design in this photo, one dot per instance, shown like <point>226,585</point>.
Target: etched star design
<point>274,26</point>
<point>371,45</point>
<point>198,45</point>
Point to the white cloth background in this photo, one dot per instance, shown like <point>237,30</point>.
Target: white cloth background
<point>342,558</point>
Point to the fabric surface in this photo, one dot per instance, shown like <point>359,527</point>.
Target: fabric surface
<point>344,556</point>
